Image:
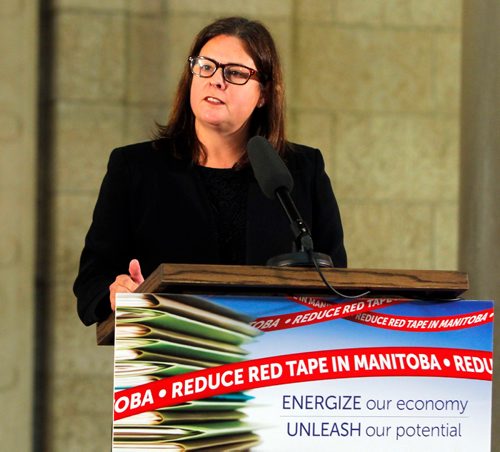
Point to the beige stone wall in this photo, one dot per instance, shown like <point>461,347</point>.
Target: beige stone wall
<point>374,84</point>
<point>18,141</point>
<point>377,88</point>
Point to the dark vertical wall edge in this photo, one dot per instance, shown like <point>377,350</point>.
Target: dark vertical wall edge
<point>43,227</point>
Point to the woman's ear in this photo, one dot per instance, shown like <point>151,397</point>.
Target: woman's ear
<point>262,99</point>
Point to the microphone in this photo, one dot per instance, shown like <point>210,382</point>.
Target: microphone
<point>275,181</point>
<point>270,171</point>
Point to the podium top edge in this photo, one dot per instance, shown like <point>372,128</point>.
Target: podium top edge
<point>171,276</point>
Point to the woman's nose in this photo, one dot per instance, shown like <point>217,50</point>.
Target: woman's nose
<point>218,79</point>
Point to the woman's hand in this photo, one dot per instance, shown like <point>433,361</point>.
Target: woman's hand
<point>126,283</point>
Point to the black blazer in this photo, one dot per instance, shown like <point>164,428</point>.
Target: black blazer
<point>154,207</point>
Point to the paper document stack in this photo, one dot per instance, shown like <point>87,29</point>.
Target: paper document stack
<point>159,336</point>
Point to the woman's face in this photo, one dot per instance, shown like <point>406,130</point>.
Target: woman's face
<point>217,104</point>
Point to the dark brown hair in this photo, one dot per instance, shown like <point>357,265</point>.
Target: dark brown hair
<point>267,121</point>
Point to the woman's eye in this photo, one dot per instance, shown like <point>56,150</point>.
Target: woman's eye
<point>237,74</point>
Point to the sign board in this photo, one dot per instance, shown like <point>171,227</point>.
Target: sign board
<point>285,373</point>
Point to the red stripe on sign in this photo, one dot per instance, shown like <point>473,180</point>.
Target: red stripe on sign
<point>424,324</point>
<point>302,367</point>
<point>331,312</point>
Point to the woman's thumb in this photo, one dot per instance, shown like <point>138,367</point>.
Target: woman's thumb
<point>134,270</point>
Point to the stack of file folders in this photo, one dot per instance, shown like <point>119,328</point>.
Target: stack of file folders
<point>159,336</point>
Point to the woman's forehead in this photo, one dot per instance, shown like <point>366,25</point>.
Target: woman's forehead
<point>227,49</point>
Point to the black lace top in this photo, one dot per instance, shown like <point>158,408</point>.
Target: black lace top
<point>227,190</point>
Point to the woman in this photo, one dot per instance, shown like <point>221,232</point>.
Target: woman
<point>190,196</point>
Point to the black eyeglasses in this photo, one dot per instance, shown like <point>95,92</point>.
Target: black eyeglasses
<point>236,74</point>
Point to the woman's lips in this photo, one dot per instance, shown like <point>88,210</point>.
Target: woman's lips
<point>213,100</point>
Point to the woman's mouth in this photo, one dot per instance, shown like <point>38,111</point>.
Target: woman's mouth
<point>213,100</point>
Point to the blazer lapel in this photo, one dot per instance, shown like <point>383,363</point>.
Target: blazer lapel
<point>194,222</point>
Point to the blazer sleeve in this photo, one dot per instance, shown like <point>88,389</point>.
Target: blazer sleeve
<point>106,249</point>
<point>327,231</point>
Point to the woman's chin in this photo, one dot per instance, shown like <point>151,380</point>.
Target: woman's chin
<point>213,122</point>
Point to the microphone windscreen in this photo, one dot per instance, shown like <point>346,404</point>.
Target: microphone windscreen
<point>268,167</point>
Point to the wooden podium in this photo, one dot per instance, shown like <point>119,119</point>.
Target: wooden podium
<point>256,280</point>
